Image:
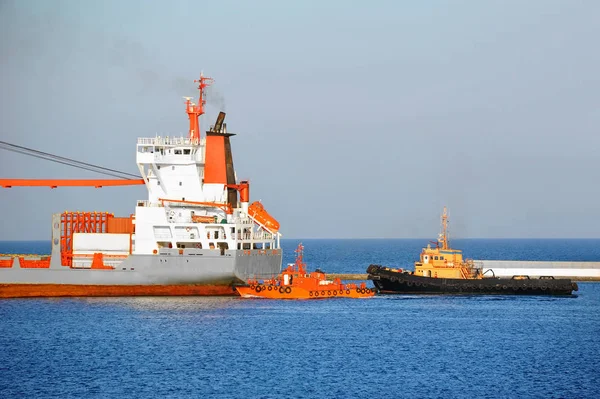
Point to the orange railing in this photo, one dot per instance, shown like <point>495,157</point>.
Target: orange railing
<point>37,261</point>
<point>42,263</point>
<point>79,222</point>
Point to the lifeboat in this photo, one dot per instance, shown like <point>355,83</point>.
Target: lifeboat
<point>257,211</point>
<point>295,282</point>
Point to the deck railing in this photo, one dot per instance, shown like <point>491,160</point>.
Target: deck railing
<point>168,141</point>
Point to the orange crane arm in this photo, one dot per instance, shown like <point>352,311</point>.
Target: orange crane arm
<point>53,183</point>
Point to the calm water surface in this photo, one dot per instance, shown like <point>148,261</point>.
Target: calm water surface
<point>392,346</point>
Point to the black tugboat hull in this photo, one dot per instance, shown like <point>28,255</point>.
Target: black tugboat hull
<point>389,281</point>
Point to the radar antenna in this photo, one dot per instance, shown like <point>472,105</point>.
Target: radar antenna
<point>195,110</point>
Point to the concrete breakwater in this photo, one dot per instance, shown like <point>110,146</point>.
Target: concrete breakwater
<point>347,276</point>
<point>578,271</point>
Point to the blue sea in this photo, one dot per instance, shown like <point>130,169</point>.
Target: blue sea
<point>388,346</point>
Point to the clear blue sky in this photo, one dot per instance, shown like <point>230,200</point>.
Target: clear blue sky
<point>354,119</point>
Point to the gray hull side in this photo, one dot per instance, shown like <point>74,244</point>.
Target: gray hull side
<point>204,267</point>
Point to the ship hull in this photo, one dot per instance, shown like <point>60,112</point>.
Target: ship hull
<point>203,272</point>
<point>395,282</point>
<point>70,290</point>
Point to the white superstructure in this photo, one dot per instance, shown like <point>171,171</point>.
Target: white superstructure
<point>180,205</point>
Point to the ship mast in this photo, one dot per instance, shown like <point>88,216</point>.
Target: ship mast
<point>300,259</point>
<point>443,238</point>
<point>195,110</point>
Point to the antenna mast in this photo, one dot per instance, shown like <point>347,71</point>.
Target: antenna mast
<point>300,259</point>
<point>195,110</point>
<point>444,234</point>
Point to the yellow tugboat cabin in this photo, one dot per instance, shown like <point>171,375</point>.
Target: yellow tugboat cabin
<point>444,262</point>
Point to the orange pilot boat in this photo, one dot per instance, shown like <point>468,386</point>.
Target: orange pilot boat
<point>296,283</point>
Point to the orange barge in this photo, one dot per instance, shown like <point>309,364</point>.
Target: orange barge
<point>296,283</point>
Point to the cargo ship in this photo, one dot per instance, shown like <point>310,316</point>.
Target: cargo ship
<point>196,233</point>
<point>442,270</point>
<point>295,282</point>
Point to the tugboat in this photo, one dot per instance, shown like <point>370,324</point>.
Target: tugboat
<point>442,270</point>
<point>296,283</point>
